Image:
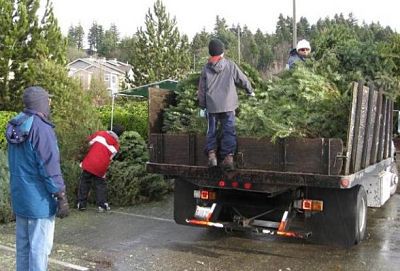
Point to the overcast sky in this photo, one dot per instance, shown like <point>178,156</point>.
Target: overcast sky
<point>194,15</point>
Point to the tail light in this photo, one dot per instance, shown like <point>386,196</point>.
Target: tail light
<point>247,185</point>
<point>309,205</point>
<point>205,194</point>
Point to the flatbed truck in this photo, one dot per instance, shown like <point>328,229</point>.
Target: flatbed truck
<point>313,188</point>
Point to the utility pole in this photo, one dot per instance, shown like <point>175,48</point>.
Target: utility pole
<point>238,37</point>
<point>294,25</point>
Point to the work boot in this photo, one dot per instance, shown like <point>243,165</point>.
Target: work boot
<point>227,164</point>
<point>212,159</point>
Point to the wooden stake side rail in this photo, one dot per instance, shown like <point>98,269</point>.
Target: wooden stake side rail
<point>305,155</point>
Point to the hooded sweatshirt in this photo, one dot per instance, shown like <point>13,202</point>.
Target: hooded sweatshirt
<point>217,86</point>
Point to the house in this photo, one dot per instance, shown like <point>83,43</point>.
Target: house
<point>112,71</point>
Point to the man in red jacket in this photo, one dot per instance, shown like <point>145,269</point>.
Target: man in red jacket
<point>104,145</point>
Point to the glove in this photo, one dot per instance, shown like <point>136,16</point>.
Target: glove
<point>203,113</point>
<point>252,94</point>
<point>62,204</point>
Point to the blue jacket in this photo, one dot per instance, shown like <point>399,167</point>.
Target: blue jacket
<point>34,162</point>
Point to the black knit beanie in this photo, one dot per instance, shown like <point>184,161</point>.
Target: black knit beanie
<point>215,47</point>
<point>118,129</point>
<point>37,99</point>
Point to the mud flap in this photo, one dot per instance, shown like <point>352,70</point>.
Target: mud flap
<point>184,201</point>
<point>341,222</point>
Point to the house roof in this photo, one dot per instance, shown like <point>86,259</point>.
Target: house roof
<point>113,64</point>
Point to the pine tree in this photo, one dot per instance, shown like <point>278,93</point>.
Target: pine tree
<point>160,52</point>
<point>109,43</point>
<point>79,35</point>
<point>71,37</point>
<point>95,37</point>
<point>7,43</point>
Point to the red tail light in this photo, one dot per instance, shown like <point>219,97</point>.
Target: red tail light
<point>247,185</point>
<point>235,184</point>
<point>221,183</point>
<point>204,194</point>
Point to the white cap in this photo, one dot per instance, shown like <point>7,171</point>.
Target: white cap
<point>303,44</point>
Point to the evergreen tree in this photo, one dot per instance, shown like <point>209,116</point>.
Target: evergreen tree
<point>160,52</point>
<point>110,42</point>
<point>125,49</point>
<point>26,39</point>
<point>199,49</point>
<point>79,35</point>
<point>71,37</point>
<point>8,41</point>
<point>95,37</point>
<point>228,36</point>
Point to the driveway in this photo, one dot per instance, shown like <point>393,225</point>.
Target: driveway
<point>146,238</point>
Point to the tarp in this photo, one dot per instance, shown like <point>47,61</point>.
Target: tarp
<point>144,90</point>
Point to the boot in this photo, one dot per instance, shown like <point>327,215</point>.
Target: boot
<point>227,164</point>
<point>212,159</point>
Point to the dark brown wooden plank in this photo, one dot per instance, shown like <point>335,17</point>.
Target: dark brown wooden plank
<point>363,128</point>
<point>335,156</point>
<point>259,153</point>
<point>371,118</point>
<point>201,157</point>
<point>176,149</point>
<point>377,128</point>
<point>351,131</point>
<point>158,100</point>
<point>382,131</point>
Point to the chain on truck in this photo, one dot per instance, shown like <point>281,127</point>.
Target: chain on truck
<point>317,188</point>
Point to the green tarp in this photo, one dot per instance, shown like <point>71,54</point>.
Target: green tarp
<point>144,90</point>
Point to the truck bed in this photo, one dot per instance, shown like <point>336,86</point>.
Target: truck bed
<point>288,161</point>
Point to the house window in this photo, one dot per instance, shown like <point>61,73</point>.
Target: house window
<point>106,77</point>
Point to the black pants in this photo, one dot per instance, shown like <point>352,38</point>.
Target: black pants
<point>85,183</point>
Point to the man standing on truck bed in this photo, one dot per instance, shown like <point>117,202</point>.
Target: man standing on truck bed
<point>217,94</point>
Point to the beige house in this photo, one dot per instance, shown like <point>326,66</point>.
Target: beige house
<point>112,71</point>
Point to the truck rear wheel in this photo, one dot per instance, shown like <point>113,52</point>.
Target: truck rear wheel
<point>184,202</point>
<point>344,219</point>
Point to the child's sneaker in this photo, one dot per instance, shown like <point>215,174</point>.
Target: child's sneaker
<point>104,208</point>
<point>81,207</point>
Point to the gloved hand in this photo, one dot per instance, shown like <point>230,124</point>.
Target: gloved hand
<point>252,94</point>
<point>62,205</point>
<point>203,113</point>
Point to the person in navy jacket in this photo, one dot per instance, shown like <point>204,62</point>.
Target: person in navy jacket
<point>104,145</point>
<point>37,186</point>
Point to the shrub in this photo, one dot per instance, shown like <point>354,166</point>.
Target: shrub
<point>5,116</point>
<point>128,181</point>
<point>131,114</point>
<point>5,200</point>
<point>71,173</point>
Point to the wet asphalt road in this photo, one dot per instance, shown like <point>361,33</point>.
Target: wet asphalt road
<point>146,238</point>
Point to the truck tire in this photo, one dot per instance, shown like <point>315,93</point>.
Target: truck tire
<point>344,219</point>
<point>184,202</point>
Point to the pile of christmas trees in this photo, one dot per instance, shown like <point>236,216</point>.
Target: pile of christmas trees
<point>297,103</point>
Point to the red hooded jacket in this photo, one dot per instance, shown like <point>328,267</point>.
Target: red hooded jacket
<point>103,147</point>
